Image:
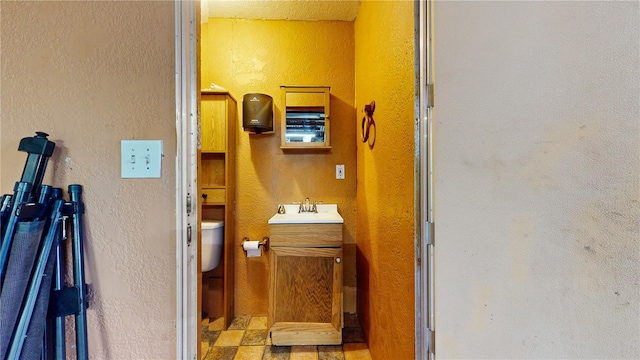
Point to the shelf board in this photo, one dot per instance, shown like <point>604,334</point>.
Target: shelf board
<point>216,92</point>
<point>299,147</point>
<point>214,204</point>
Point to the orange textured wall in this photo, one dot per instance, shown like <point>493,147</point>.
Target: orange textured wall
<point>257,56</point>
<point>385,216</point>
<point>90,74</point>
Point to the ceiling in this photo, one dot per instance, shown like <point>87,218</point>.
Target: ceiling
<point>310,10</point>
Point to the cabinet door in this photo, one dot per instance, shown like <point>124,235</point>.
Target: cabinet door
<point>305,289</point>
<point>213,122</point>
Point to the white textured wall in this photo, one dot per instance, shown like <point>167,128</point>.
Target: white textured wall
<point>90,74</point>
<point>538,168</point>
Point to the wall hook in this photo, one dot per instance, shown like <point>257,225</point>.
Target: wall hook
<point>368,123</point>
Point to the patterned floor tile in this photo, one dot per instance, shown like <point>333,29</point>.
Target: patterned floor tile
<point>356,351</point>
<point>257,323</point>
<point>210,336</point>
<point>254,337</point>
<point>351,320</point>
<point>352,335</point>
<point>229,338</point>
<point>330,352</point>
<point>217,324</point>
<point>276,353</point>
<point>221,353</point>
<point>254,343</point>
<point>249,353</point>
<point>204,348</point>
<point>240,322</point>
<point>309,352</point>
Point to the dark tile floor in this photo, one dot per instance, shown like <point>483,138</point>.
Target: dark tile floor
<point>247,339</point>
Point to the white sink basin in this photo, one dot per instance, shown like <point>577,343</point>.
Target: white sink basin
<point>327,214</point>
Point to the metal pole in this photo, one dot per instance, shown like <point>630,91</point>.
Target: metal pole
<point>5,204</point>
<point>59,321</point>
<point>21,192</point>
<point>75,194</point>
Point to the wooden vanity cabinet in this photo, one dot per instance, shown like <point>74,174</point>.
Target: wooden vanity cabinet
<point>305,285</point>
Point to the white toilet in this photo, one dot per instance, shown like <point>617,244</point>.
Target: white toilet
<point>212,242</point>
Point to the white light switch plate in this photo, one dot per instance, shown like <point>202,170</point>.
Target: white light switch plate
<point>141,158</point>
<point>340,172</point>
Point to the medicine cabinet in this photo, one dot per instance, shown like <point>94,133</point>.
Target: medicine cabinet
<point>305,118</point>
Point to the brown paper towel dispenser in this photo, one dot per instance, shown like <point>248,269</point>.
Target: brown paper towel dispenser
<point>257,113</point>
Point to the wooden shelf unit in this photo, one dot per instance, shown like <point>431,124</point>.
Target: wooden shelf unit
<point>216,193</point>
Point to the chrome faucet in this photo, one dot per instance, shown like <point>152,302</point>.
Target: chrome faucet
<point>306,206</point>
<point>315,206</point>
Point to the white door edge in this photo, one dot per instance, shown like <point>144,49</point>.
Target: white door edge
<point>186,179</point>
<point>424,186</point>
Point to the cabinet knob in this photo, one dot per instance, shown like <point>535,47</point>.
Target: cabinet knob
<point>204,196</point>
<point>338,260</point>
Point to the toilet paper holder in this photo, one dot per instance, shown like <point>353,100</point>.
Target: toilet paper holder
<point>264,242</point>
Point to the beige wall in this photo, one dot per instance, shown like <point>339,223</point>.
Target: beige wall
<point>537,179</point>
<point>91,74</point>
<point>257,56</point>
<point>385,214</point>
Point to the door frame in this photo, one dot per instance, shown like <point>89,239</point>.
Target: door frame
<point>424,184</point>
<point>187,116</point>
<point>187,135</point>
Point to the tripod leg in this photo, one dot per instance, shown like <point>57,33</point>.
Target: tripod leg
<point>21,193</point>
<point>59,321</point>
<point>75,194</point>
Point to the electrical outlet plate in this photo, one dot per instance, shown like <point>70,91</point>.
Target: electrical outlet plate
<point>141,158</point>
<point>340,172</point>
